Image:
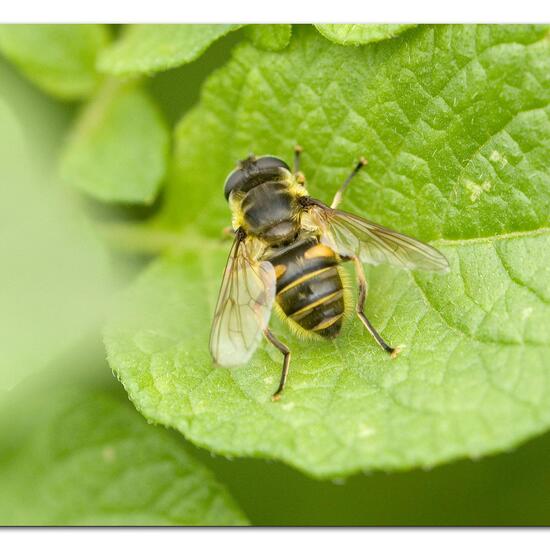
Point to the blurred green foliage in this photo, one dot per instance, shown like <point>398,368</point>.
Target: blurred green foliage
<point>74,451</point>
<point>60,59</point>
<point>118,150</point>
<point>508,489</point>
<point>146,49</point>
<point>55,277</point>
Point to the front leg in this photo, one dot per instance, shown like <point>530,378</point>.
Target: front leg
<point>340,193</point>
<point>300,178</point>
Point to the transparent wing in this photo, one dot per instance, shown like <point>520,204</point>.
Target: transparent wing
<point>244,306</point>
<point>351,235</point>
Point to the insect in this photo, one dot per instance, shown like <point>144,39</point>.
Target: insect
<point>286,254</point>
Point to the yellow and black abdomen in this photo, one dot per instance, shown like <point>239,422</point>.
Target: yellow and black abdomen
<point>309,286</point>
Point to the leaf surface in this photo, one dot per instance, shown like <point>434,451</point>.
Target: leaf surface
<point>270,37</point>
<point>60,59</point>
<point>454,122</point>
<point>360,34</point>
<point>146,49</point>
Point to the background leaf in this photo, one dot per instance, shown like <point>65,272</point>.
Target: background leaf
<point>145,49</point>
<point>471,379</point>
<point>269,37</point>
<point>55,277</point>
<point>78,454</point>
<point>60,59</point>
<point>166,86</point>
<point>360,34</point>
<point>118,149</point>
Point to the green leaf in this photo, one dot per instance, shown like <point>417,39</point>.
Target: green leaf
<point>454,121</point>
<point>60,59</point>
<point>118,149</point>
<point>270,37</point>
<point>55,276</point>
<point>146,49</point>
<point>90,459</point>
<point>360,34</point>
<point>455,145</point>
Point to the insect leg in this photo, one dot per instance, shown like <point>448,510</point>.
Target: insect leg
<point>362,282</point>
<point>340,193</point>
<point>286,362</point>
<point>300,178</point>
<point>297,152</point>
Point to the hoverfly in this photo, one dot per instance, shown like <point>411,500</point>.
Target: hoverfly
<point>286,254</point>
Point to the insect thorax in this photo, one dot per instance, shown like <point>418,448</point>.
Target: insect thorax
<point>269,210</point>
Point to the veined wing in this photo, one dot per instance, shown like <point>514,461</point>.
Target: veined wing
<point>244,306</point>
<point>351,235</point>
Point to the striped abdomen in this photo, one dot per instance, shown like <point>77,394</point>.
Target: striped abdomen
<point>309,286</point>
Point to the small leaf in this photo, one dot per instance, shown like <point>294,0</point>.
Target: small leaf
<point>118,149</point>
<point>60,59</point>
<point>88,458</point>
<point>270,37</point>
<point>455,123</point>
<point>360,34</point>
<point>145,49</point>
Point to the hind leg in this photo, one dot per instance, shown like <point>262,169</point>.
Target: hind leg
<point>360,306</point>
<point>286,362</point>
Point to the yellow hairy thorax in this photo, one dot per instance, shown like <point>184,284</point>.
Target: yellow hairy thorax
<point>295,188</point>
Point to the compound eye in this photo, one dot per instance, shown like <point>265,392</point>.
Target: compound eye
<point>270,163</point>
<point>233,181</point>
